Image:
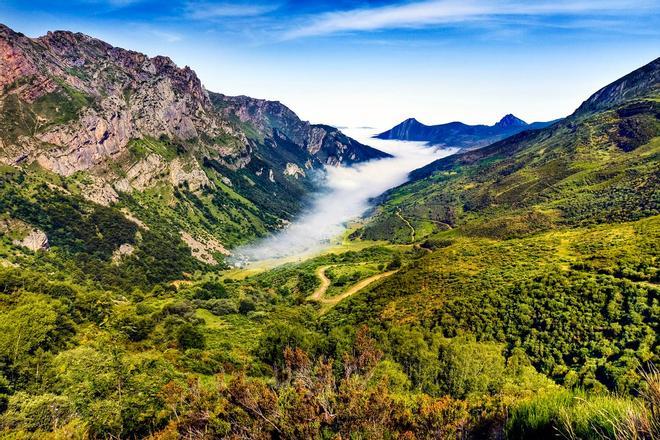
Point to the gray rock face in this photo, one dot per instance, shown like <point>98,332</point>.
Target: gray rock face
<point>35,240</point>
<point>125,95</point>
<point>133,95</point>
<point>293,170</point>
<point>122,251</point>
<point>23,234</point>
<point>188,173</point>
<point>203,249</point>
<point>273,119</point>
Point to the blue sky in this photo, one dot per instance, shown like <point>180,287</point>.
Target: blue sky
<point>377,62</point>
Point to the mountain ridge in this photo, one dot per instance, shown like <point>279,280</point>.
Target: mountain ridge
<point>118,95</point>
<point>598,101</point>
<point>459,134</point>
<point>80,118</point>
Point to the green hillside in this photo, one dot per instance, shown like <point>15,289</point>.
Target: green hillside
<point>545,241</point>
<point>509,292</point>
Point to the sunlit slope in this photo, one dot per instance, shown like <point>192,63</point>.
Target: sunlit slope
<point>546,241</point>
<point>594,167</point>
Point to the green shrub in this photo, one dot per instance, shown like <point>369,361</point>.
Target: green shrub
<point>190,336</point>
<point>38,412</point>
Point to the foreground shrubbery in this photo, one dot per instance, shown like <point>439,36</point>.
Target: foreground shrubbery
<point>577,415</point>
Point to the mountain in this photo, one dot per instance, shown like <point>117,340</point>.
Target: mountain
<point>126,131</point>
<point>512,291</point>
<point>590,158</point>
<point>91,99</point>
<point>458,134</point>
<point>541,242</point>
<point>641,83</point>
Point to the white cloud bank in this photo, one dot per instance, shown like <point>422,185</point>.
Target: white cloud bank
<point>210,11</point>
<point>437,12</point>
<point>345,197</point>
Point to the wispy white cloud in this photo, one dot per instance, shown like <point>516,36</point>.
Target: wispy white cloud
<point>122,3</point>
<point>112,4</point>
<point>210,11</point>
<point>167,36</point>
<point>438,12</point>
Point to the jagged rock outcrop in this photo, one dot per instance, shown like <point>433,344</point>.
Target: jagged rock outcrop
<point>24,235</point>
<point>123,95</point>
<point>188,173</point>
<point>78,102</point>
<point>293,170</point>
<point>122,251</point>
<point>273,119</point>
<point>203,249</point>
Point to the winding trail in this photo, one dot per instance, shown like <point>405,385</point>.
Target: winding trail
<point>412,230</point>
<point>325,283</point>
<point>329,302</point>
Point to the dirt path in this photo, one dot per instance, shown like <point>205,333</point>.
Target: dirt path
<point>412,230</point>
<point>319,293</point>
<point>329,302</point>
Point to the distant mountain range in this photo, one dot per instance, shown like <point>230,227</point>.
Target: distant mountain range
<point>458,134</point>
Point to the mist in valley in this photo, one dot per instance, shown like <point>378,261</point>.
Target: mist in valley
<point>345,195</point>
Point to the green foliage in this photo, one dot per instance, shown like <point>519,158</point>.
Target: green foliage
<point>43,412</point>
<point>76,226</point>
<point>189,336</point>
<point>279,336</point>
<point>599,169</point>
<point>163,147</point>
<point>584,324</point>
<point>569,414</point>
<point>60,106</point>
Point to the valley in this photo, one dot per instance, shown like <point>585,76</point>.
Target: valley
<point>344,195</point>
<point>177,263</point>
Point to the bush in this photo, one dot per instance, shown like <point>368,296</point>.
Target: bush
<point>394,264</point>
<point>210,290</point>
<point>436,243</point>
<point>41,412</point>
<point>190,336</point>
<point>246,306</point>
<point>221,307</point>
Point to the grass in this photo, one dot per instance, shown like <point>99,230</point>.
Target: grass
<point>61,106</point>
<point>570,415</point>
<point>343,276</point>
<point>141,148</point>
<point>235,333</point>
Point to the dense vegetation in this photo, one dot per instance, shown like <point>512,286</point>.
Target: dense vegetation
<point>518,297</point>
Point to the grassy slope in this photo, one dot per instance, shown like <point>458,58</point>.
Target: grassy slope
<point>580,171</point>
<point>542,247</point>
<point>546,241</point>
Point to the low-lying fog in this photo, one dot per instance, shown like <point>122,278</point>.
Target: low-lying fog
<point>345,196</point>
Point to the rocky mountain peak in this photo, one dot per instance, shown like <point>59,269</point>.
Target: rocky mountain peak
<point>87,64</point>
<point>510,121</point>
<point>83,102</point>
